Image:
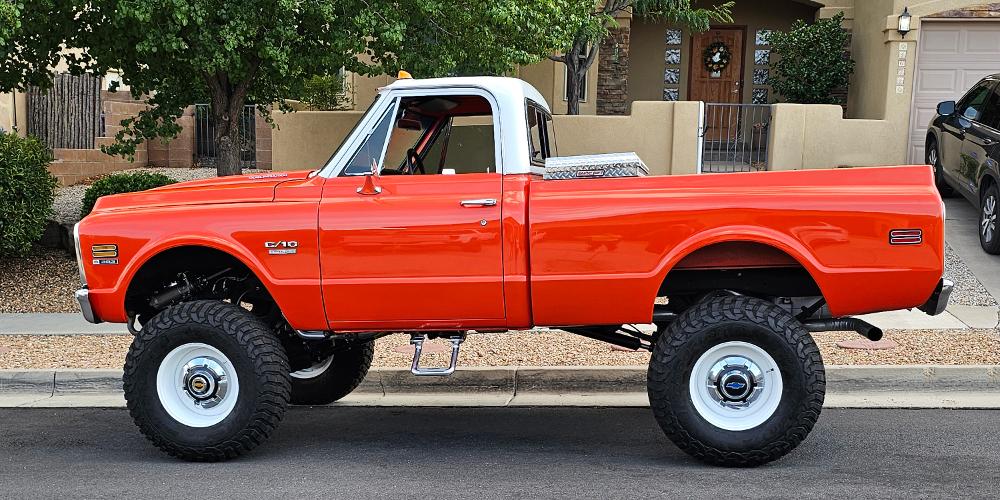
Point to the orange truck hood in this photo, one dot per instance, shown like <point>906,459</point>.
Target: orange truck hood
<point>233,189</point>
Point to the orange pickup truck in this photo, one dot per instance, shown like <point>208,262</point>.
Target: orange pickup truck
<point>447,211</point>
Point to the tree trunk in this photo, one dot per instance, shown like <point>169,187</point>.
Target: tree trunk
<point>579,59</point>
<point>227,108</point>
<point>226,118</point>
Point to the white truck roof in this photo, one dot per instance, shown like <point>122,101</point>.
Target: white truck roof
<point>510,91</point>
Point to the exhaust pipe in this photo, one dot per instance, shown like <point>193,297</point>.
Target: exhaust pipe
<point>863,327</point>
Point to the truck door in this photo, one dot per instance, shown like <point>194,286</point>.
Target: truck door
<point>982,140</point>
<point>421,246</point>
<point>958,164</point>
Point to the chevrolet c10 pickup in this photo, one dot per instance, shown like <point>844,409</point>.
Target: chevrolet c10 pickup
<point>447,212</point>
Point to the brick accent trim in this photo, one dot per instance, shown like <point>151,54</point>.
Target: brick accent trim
<point>612,73</point>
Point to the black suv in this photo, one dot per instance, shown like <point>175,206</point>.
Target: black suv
<point>963,145</point>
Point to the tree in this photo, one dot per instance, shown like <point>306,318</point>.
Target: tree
<point>580,55</point>
<point>174,53</point>
<point>811,61</point>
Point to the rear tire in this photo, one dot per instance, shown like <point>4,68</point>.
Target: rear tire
<point>206,381</point>
<point>736,381</point>
<point>334,378</point>
<point>933,158</point>
<point>988,237</point>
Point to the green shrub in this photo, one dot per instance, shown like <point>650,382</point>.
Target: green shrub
<point>27,191</point>
<point>122,182</point>
<point>325,93</point>
<point>811,61</point>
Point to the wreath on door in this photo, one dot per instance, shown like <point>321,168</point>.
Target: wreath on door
<point>717,56</point>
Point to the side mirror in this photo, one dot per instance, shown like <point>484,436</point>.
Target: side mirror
<point>369,187</point>
<point>946,108</point>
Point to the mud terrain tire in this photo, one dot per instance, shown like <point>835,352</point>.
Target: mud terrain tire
<point>331,382</point>
<point>185,352</point>
<point>704,363</point>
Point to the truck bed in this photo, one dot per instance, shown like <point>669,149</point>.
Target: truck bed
<point>600,249</point>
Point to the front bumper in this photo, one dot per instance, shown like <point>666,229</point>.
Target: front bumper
<point>939,299</point>
<point>83,297</point>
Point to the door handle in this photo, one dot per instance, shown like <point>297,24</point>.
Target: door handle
<point>483,202</point>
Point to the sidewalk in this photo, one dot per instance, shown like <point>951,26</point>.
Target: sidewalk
<point>847,387</point>
<point>956,317</point>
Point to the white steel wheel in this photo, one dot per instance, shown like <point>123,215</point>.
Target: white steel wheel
<point>197,385</point>
<point>735,386</point>
<point>313,371</point>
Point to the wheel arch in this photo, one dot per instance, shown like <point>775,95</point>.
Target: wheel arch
<point>166,258</point>
<point>764,248</point>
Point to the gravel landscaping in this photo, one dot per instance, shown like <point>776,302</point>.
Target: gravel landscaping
<point>976,347</point>
<point>968,290</point>
<point>42,282</point>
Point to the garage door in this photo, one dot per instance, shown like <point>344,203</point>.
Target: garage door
<point>952,57</point>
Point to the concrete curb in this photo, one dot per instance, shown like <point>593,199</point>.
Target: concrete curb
<point>911,386</point>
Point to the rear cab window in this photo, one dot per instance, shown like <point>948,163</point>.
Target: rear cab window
<point>541,138</point>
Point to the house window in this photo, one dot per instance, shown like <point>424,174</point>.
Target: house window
<point>761,91</point>
<point>672,63</point>
<point>583,88</point>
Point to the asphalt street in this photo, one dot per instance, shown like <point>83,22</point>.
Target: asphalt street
<point>499,453</point>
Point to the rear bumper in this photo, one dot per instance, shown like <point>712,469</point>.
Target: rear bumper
<point>83,297</point>
<point>939,299</point>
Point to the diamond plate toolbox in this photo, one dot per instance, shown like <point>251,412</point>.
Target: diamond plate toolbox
<point>595,166</point>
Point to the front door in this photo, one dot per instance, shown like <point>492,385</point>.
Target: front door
<point>421,248</point>
<point>716,76</point>
<point>717,66</point>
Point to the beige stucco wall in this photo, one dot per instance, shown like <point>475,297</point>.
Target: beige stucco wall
<point>807,136</point>
<point>304,140</point>
<point>663,134</point>
<point>646,64</point>
<point>13,106</point>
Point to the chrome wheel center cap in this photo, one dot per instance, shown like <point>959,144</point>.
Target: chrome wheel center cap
<point>735,382</point>
<point>205,381</point>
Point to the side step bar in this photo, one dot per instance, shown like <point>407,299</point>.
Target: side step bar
<point>418,345</point>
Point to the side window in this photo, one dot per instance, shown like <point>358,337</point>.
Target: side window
<point>540,137</point>
<point>974,103</point>
<point>371,149</point>
<point>991,116</point>
<point>535,132</point>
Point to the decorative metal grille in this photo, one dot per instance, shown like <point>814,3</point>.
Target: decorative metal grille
<point>734,137</point>
<point>205,135</point>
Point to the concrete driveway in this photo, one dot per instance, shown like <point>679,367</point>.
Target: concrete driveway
<point>962,233</point>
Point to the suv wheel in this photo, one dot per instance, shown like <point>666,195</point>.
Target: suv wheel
<point>736,381</point>
<point>206,381</point>
<point>988,236</point>
<point>933,158</point>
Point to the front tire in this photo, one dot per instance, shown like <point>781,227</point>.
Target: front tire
<point>736,381</point>
<point>206,381</point>
<point>988,237</point>
<point>933,158</point>
<point>335,377</point>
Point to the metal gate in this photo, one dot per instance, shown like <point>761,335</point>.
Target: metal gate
<point>734,137</point>
<point>205,136</point>
<point>68,115</point>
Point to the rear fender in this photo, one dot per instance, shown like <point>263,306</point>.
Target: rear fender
<point>743,234</point>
